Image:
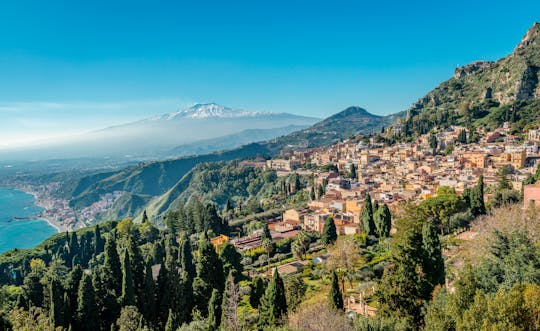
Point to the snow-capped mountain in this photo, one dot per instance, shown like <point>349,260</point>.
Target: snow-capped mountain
<point>211,110</point>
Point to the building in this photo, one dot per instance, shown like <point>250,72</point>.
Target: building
<point>531,194</point>
<point>219,240</point>
<point>475,159</point>
<point>283,165</point>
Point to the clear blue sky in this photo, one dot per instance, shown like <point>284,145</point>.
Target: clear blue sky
<point>72,65</point>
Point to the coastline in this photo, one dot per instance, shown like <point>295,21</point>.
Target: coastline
<point>59,226</point>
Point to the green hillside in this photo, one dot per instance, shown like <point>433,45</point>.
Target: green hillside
<point>485,93</point>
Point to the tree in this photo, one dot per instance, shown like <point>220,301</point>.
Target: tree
<point>214,311</point>
<point>383,221</point>
<point>257,291</point>
<point>57,311</point>
<point>231,260</point>
<point>301,245</point>
<point>502,178</point>
<point>266,233</point>
<point>209,275</point>
<point>98,240</point>
<point>273,305</point>
<point>353,174</point>
<point>186,258</point>
<point>229,306</point>
<point>87,310</point>
<point>462,136</point>
<point>148,298</point>
<point>343,257</point>
<point>335,297</point>
<point>128,287</point>
<point>329,235</point>
<point>433,142</point>
<point>477,198</point>
<point>130,319</point>
<point>112,270</point>
<point>295,290</point>
<point>366,218</point>
<point>433,259</point>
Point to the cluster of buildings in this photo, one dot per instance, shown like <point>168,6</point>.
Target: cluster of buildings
<point>402,172</point>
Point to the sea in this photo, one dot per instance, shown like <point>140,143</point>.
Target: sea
<point>19,223</point>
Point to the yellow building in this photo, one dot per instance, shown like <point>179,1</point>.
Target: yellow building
<point>219,240</point>
<point>476,159</point>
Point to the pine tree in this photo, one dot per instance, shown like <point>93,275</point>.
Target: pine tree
<point>329,235</point>
<point>273,305</point>
<point>214,311</point>
<point>383,221</point>
<point>112,270</point>
<point>433,259</point>
<point>87,310</point>
<point>335,297</point>
<point>128,288</point>
<point>366,218</point>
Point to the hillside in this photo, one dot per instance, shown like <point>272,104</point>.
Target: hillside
<point>485,93</point>
<point>152,179</point>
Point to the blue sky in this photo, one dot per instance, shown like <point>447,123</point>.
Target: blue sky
<point>67,66</point>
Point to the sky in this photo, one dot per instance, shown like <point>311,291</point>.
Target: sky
<point>74,66</point>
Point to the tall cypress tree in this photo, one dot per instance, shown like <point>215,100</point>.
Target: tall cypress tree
<point>335,297</point>
<point>231,260</point>
<point>128,287</point>
<point>87,310</point>
<point>72,286</point>
<point>137,269</point>
<point>186,259</point>
<point>433,259</point>
<point>366,218</point>
<point>383,221</point>
<point>148,297</point>
<point>112,271</point>
<point>56,304</point>
<point>214,311</point>
<point>273,305</point>
<point>329,235</point>
<point>98,240</point>
<point>209,275</point>
<point>477,198</point>
<point>353,171</point>
<point>266,233</point>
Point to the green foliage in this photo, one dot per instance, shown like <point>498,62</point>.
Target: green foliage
<point>329,235</point>
<point>214,310</point>
<point>383,221</point>
<point>441,208</point>
<point>87,309</point>
<point>366,218</point>
<point>335,297</point>
<point>295,290</point>
<point>273,305</point>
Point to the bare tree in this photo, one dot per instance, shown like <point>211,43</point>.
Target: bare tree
<point>319,316</point>
<point>231,300</point>
<point>343,257</point>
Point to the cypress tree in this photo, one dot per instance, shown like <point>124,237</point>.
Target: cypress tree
<point>72,286</point>
<point>56,304</point>
<point>329,235</point>
<point>433,259</point>
<point>137,269</point>
<point>231,260</point>
<point>209,275</point>
<point>383,221</point>
<point>107,301</point>
<point>477,198</point>
<point>266,233</point>
<point>335,297</point>
<point>87,310</point>
<point>257,291</point>
<point>112,271</point>
<point>148,298</point>
<point>366,218</point>
<point>214,311</point>
<point>98,240</point>
<point>273,306</point>
<point>353,171</point>
<point>33,289</point>
<point>128,289</point>
<point>229,305</point>
<point>186,259</point>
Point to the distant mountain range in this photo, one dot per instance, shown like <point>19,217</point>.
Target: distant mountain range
<point>156,137</point>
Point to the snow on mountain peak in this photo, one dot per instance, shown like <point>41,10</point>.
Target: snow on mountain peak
<point>212,110</point>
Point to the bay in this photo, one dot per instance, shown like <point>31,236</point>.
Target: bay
<point>19,226</point>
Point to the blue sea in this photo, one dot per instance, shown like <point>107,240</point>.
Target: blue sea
<point>23,232</point>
